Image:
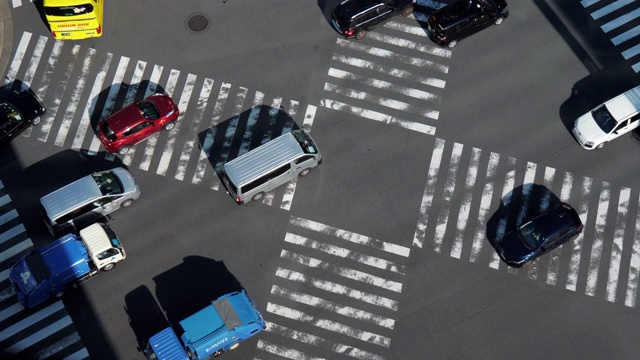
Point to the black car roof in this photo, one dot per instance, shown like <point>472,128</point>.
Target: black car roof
<point>560,217</point>
<point>349,8</point>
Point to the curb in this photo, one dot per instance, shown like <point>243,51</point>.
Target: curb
<point>6,40</point>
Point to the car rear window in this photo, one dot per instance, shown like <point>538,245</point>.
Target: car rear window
<point>68,10</point>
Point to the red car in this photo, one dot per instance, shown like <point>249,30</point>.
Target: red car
<point>136,122</point>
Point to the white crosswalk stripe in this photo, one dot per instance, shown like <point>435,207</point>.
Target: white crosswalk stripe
<point>620,20</point>
<point>607,249</point>
<point>40,333</point>
<point>236,125</point>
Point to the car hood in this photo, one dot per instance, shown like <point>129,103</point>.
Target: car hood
<point>512,249</point>
<point>587,129</point>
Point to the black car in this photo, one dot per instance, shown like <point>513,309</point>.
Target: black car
<point>353,18</point>
<point>463,18</point>
<point>539,235</point>
<point>19,110</point>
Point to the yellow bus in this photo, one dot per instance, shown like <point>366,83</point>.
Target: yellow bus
<point>74,19</point>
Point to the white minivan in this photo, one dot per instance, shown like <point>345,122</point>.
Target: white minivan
<point>609,120</point>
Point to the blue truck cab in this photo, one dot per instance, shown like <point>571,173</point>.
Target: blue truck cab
<point>219,327</point>
<point>64,263</point>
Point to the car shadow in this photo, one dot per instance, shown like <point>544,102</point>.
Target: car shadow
<point>192,285</point>
<point>521,204</point>
<point>145,315</point>
<point>243,132</point>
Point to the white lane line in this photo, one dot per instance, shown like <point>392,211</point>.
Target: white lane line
<point>616,247</point>
<point>309,339</point>
<point>324,304</point>
<point>153,140</point>
<point>384,85</point>
<point>45,125</point>
<point>342,271</point>
<point>203,100</point>
<point>39,336</point>
<point>252,120</point>
<point>329,325</point>
<point>408,44</point>
<point>574,266</point>
<point>507,192</point>
<point>345,253</point>
<point>485,205</point>
<point>129,98</point>
<point>338,289</point>
<point>350,236</point>
<point>610,8</point>
<point>165,158</point>
<point>386,54</point>
<point>62,85</point>
<point>634,267</point>
<point>18,57</point>
<point>627,35</point>
<point>450,184</point>
<point>378,116</point>
<point>596,249</point>
<point>389,71</point>
<point>427,197</point>
<point>619,21</point>
<point>463,214</point>
<point>76,94</point>
<point>205,152</point>
<point>30,320</point>
<point>107,110</point>
<point>284,352</point>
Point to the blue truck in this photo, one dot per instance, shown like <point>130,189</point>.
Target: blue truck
<point>219,327</point>
<point>62,264</point>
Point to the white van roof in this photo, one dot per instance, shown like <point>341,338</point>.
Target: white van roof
<point>625,104</point>
<point>263,159</point>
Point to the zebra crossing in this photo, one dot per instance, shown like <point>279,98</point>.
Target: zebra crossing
<point>620,20</point>
<point>204,137</point>
<point>322,267</point>
<point>603,261</point>
<point>372,79</point>
<point>39,333</point>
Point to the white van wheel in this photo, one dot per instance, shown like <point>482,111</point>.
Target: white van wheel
<point>305,172</point>
<point>257,196</point>
<point>234,346</point>
<point>127,203</point>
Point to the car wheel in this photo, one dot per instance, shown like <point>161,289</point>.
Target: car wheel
<point>304,172</point>
<point>127,203</point>
<point>408,11</point>
<point>123,150</point>
<point>600,146</point>
<point>35,121</point>
<point>59,294</point>
<point>499,20</point>
<point>452,43</point>
<point>234,346</point>
<point>257,196</point>
<point>170,126</point>
<point>361,34</point>
<point>109,266</point>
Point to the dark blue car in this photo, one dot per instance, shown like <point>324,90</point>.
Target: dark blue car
<point>539,235</point>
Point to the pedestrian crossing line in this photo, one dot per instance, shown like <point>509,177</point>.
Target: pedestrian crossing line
<point>284,352</point>
<point>554,257</point>
<point>329,325</point>
<point>388,71</point>
<point>576,252</point>
<point>11,310</point>
<point>507,191</point>
<point>443,218</point>
<point>39,336</point>
<point>616,251</point>
<point>136,78</point>
<point>610,8</point>
<point>320,342</point>
<point>350,236</point>
<point>339,289</point>
<point>47,123</point>
<point>345,253</point>
<point>347,311</point>
<point>62,86</point>
<point>154,79</point>
<point>465,208</point>
<point>485,205</point>
<point>30,320</point>
<point>427,198</point>
<point>385,85</point>
<point>232,127</point>
<point>596,249</point>
<point>377,116</point>
<point>386,54</point>
<point>342,271</point>
<point>615,23</point>
<point>406,43</point>
<point>78,355</point>
<point>634,267</point>
<point>75,99</point>
<point>18,57</point>
<point>33,65</point>
<point>54,349</point>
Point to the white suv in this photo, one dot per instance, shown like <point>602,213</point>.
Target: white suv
<point>607,121</point>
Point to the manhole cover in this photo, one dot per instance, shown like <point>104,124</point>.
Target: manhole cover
<point>198,23</point>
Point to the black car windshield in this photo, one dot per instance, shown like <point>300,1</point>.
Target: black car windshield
<point>531,236</point>
<point>604,119</point>
<point>148,110</point>
<point>11,112</point>
<point>108,183</point>
<point>68,10</point>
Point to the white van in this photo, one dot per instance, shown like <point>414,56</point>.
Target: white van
<point>250,176</point>
<point>609,120</point>
<point>88,199</point>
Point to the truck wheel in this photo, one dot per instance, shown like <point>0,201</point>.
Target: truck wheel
<point>109,266</point>
<point>59,294</point>
<point>234,346</point>
<point>304,172</point>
